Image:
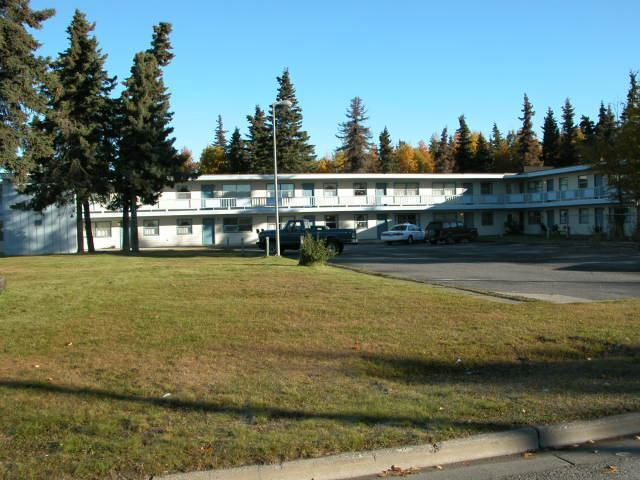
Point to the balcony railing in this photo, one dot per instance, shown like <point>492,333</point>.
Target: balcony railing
<point>257,203</point>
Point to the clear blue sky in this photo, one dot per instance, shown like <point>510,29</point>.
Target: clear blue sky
<point>416,64</point>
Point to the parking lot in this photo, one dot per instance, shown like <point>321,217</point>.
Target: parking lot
<point>561,273</point>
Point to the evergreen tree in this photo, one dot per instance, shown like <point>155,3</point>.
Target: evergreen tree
<point>295,153</point>
<point>356,137</point>
<point>587,128</point>
<point>148,161</point>
<point>463,153</point>
<point>527,142</point>
<point>483,157</point>
<point>22,79</point>
<point>568,147</point>
<point>259,143</point>
<point>236,154</point>
<point>444,159</point>
<point>496,137</point>
<point>633,97</point>
<point>605,129</point>
<point>221,134</point>
<point>79,122</point>
<point>550,140</point>
<point>386,152</point>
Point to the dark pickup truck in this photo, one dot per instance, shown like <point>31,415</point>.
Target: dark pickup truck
<point>449,232</point>
<point>336,238</point>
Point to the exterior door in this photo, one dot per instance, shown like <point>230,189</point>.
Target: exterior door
<point>208,232</point>
<point>468,219</point>
<point>551,219</point>
<point>382,222</point>
<point>308,190</point>
<point>381,190</point>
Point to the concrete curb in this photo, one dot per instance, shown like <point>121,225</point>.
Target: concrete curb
<point>565,434</point>
<point>356,464</point>
<point>349,465</point>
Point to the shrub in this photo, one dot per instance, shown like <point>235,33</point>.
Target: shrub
<point>313,251</point>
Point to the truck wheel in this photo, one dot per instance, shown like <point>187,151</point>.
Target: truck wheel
<point>333,248</point>
<point>410,240</point>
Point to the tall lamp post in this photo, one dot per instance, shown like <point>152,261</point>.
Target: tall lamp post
<point>281,103</point>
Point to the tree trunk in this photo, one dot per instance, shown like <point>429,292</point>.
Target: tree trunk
<point>79,226</point>
<point>87,226</point>
<point>126,237</point>
<point>135,245</point>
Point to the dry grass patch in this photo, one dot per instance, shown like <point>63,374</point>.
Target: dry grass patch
<point>266,361</point>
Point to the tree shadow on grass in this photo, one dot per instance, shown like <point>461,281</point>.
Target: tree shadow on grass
<point>250,411</point>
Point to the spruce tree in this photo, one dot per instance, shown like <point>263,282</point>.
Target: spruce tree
<point>386,152</point>
<point>355,136</point>
<point>148,161</point>
<point>568,147</point>
<point>605,129</point>
<point>259,143</point>
<point>527,142</point>
<point>444,159</point>
<point>80,123</point>
<point>587,128</point>
<point>236,154</point>
<point>295,153</point>
<point>550,140</point>
<point>496,137</point>
<point>221,134</point>
<point>23,75</point>
<point>500,153</point>
<point>463,152</point>
<point>483,157</point>
<point>633,97</point>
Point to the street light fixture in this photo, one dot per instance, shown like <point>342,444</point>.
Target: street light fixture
<point>288,104</point>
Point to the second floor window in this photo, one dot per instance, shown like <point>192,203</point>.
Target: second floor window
<point>583,181</point>
<point>234,190</point>
<point>285,190</point>
<point>439,188</point>
<point>550,185</point>
<point>563,182</point>
<point>486,188</point>
<point>183,192</point>
<point>330,190</point>
<point>534,186</point>
<point>360,189</point>
<point>406,189</point>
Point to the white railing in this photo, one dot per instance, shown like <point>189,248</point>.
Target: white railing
<point>246,203</point>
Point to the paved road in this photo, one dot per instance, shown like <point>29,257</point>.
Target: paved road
<point>561,273</point>
<point>609,460</point>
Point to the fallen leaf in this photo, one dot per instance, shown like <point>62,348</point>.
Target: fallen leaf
<point>611,469</point>
<point>68,344</point>
<point>527,454</point>
<point>396,471</point>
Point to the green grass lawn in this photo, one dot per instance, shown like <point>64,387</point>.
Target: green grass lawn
<point>266,361</point>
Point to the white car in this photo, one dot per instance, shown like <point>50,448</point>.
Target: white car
<point>405,232</point>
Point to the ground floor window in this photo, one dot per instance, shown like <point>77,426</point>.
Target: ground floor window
<point>331,221</point>
<point>487,219</point>
<point>564,217</point>
<point>236,224</point>
<point>583,216</point>
<point>102,229</point>
<point>311,219</point>
<point>360,221</point>
<point>151,228</point>
<point>448,217</point>
<point>406,218</point>
<point>184,226</point>
<point>534,217</point>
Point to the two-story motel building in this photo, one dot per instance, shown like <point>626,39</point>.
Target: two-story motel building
<point>226,210</point>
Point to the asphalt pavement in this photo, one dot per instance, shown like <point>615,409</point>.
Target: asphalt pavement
<point>606,460</point>
<point>561,273</point>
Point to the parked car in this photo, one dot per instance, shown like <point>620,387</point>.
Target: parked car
<point>405,232</point>
<point>449,232</point>
<point>336,238</point>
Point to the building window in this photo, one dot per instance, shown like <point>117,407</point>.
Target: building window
<point>550,185</point>
<point>233,190</point>
<point>184,226</point>
<point>439,188</point>
<point>330,190</point>
<point>534,217</point>
<point>236,224</point>
<point>564,183</point>
<point>286,190</point>
<point>102,229</point>
<point>331,221</point>
<point>535,186</point>
<point>311,219</point>
<point>486,188</point>
<point>360,221</point>
<point>583,181</point>
<point>151,228</point>
<point>583,216</point>
<point>360,189</point>
<point>406,189</point>
<point>38,221</point>
<point>183,192</point>
<point>487,219</point>
<point>468,188</point>
<point>564,217</point>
